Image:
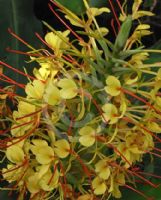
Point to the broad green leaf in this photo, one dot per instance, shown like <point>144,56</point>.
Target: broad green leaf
<point>17,15</point>
<point>77,6</point>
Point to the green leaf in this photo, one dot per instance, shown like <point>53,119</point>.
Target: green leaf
<point>123,35</point>
<point>17,15</point>
<point>98,3</point>
<point>149,191</point>
<point>76,6</point>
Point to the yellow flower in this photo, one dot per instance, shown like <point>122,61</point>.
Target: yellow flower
<point>136,13</point>
<point>99,186</point>
<point>113,86</point>
<point>52,94</point>
<point>87,138</point>
<point>97,11</point>
<point>57,41</point>
<point>42,73</point>
<point>140,31</point>
<point>116,181</point>
<point>44,153</point>
<point>158,78</point>
<point>154,127</point>
<point>85,197</point>
<point>49,181</point>
<point>15,154</point>
<point>62,148</point>
<point>42,169</point>
<point>68,88</point>
<point>74,20</point>
<point>25,108</point>
<point>102,169</point>
<point>33,178</point>
<point>33,183</point>
<point>141,13</point>
<point>136,144</point>
<point>110,113</point>
<point>21,118</point>
<point>35,90</point>
<point>11,174</point>
<point>131,78</point>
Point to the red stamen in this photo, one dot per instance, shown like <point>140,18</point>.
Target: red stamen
<point>155,154</point>
<point>120,6</point>
<point>11,81</point>
<point>149,174</point>
<point>16,70</point>
<point>113,27</point>
<point>15,168</point>
<point>10,94</point>
<point>140,99</point>
<point>115,15</point>
<point>20,39</point>
<point>151,133</point>
<point>42,40</point>
<point>144,179</point>
<point>115,149</point>
<point>139,192</point>
<point>87,172</point>
<point>29,115</point>
<point>21,52</point>
<point>18,126</point>
<point>65,181</point>
<point>63,22</point>
<point>21,138</point>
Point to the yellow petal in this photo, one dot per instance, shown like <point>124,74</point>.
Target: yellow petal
<point>49,181</point>
<point>142,13</point>
<point>62,148</point>
<point>136,5</point>
<point>51,39</point>
<point>85,197</point>
<point>158,78</point>
<point>37,145</point>
<point>111,113</point>
<point>154,127</point>
<point>99,186</point>
<point>130,79</point>
<point>42,73</point>
<point>25,108</point>
<point>69,88</point>
<point>74,21</point>
<point>87,130</point>
<point>113,86</point>
<point>35,89</point>
<point>103,169</point>
<point>87,140</point>
<point>158,101</point>
<point>10,174</point>
<point>97,11</point>
<point>55,41</point>
<point>87,136</point>
<point>42,169</point>
<point>32,183</point>
<point>15,154</point>
<point>52,95</point>
<point>116,192</point>
<point>143,27</point>
<point>45,155</point>
<point>104,31</point>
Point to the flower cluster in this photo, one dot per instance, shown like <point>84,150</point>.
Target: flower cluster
<point>91,112</point>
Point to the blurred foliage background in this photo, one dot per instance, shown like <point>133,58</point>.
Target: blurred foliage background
<point>24,18</point>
